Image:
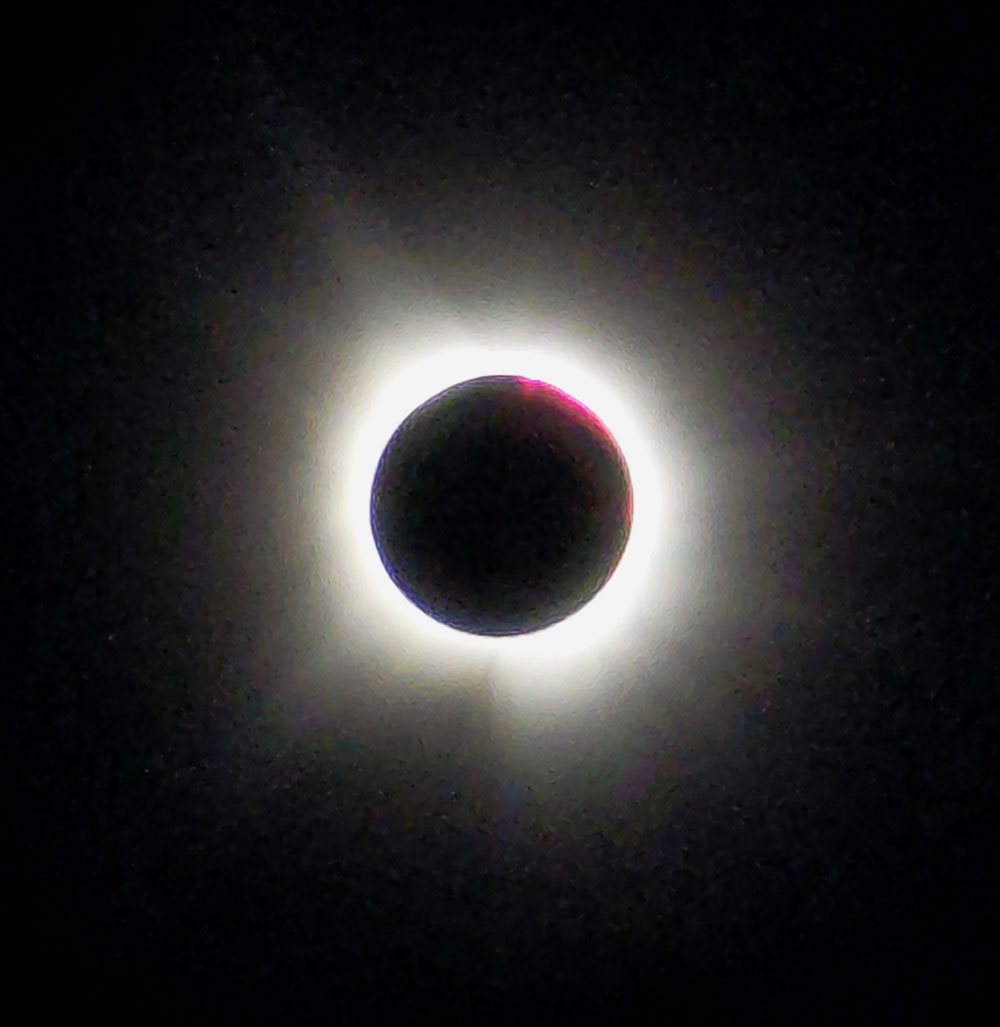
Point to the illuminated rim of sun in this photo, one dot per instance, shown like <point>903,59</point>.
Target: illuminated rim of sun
<point>404,369</point>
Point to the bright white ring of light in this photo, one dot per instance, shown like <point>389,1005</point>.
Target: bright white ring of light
<point>388,386</point>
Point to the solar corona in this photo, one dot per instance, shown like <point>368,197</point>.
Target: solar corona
<point>508,501</point>
<point>501,506</point>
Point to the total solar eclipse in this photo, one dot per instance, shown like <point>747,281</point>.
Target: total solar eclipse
<point>501,506</point>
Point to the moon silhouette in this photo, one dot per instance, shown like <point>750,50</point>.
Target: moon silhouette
<point>501,506</point>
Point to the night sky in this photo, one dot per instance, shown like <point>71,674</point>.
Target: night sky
<point>235,792</point>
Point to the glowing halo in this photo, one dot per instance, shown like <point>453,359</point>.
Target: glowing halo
<point>392,377</point>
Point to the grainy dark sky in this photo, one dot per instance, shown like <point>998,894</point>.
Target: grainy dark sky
<point>793,804</point>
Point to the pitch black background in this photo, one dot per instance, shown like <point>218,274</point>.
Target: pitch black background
<point>835,171</point>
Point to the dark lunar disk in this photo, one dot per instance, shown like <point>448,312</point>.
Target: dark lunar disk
<point>501,506</point>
